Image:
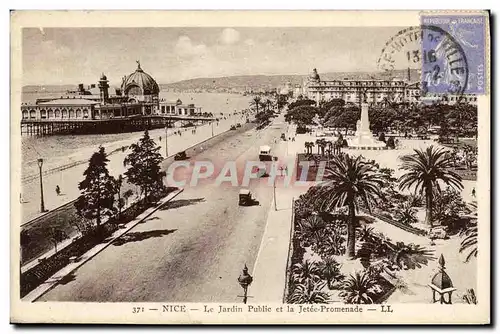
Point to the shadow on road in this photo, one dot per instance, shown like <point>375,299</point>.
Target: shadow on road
<point>63,280</point>
<point>140,236</point>
<point>180,203</point>
<point>149,219</point>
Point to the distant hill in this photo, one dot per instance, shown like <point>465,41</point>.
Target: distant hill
<point>247,83</point>
<point>241,83</point>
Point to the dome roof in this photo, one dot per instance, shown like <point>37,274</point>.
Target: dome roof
<point>314,76</point>
<point>441,280</point>
<point>142,80</point>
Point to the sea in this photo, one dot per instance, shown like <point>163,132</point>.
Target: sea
<point>64,148</point>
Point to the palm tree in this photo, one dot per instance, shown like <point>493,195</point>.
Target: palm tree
<point>309,292</point>
<point>308,145</point>
<point>348,180</point>
<point>311,228</point>
<point>470,241</point>
<point>330,271</point>
<point>307,270</point>
<point>359,289</point>
<point>256,102</point>
<point>424,171</point>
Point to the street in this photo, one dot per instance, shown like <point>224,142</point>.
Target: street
<point>193,250</point>
<point>68,179</point>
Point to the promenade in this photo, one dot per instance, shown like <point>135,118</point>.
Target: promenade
<point>68,179</point>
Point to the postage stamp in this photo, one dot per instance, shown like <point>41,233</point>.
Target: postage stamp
<point>454,54</point>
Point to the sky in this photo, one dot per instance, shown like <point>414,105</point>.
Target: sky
<point>80,55</point>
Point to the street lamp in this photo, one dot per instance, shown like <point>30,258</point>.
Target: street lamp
<point>166,140</point>
<point>42,204</point>
<point>245,280</point>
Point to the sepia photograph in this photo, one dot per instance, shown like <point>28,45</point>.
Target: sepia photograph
<point>198,168</point>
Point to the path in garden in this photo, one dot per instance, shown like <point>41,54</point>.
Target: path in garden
<point>463,275</point>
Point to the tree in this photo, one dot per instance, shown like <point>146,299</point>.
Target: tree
<point>256,103</point>
<point>304,271</point>
<point>469,242</point>
<point>347,181</point>
<point>56,236</point>
<point>301,115</point>
<point>406,214</point>
<point>360,289</point>
<point>121,202</point>
<point>424,171</point>
<point>330,271</point>
<point>309,292</point>
<point>97,190</point>
<point>145,171</point>
<point>347,119</point>
<point>127,194</point>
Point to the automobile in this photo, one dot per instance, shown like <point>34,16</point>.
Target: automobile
<point>246,199</point>
<point>265,153</point>
<point>232,127</point>
<point>238,125</point>
<point>283,137</point>
<point>180,156</point>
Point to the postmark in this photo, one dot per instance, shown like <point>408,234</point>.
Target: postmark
<point>446,52</point>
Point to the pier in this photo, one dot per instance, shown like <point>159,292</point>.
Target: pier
<point>43,127</point>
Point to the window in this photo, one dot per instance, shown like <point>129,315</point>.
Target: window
<point>51,113</point>
<point>43,114</point>
<point>25,114</point>
<point>32,114</point>
<point>64,113</point>
<point>78,113</point>
<point>71,113</point>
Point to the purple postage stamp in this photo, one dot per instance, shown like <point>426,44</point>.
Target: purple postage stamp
<point>453,54</point>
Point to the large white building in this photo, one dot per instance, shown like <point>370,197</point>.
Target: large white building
<point>374,91</point>
<point>371,90</point>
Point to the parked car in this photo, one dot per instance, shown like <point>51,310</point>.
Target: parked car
<point>238,125</point>
<point>245,198</point>
<point>232,127</point>
<point>180,156</point>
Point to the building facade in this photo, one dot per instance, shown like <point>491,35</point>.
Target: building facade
<point>373,91</point>
<point>138,95</point>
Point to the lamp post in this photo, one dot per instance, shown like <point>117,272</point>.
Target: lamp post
<point>441,284</point>
<point>245,280</point>
<point>274,190</point>
<point>42,204</point>
<point>166,140</point>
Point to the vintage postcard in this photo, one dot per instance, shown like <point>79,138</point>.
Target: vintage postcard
<point>258,167</point>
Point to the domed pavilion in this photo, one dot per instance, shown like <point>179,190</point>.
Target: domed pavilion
<point>139,86</point>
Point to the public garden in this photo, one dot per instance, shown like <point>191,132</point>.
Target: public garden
<point>392,223</point>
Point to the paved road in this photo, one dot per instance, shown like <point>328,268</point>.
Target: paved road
<point>68,179</point>
<point>191,251</point>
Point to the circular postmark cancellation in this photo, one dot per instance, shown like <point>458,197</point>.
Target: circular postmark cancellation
<point>437,58</point>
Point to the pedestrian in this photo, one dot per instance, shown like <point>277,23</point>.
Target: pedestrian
<point>58,190</point>
<point>160,138</point>
<point>474,192</point>
<point>21,199</point>
<point>286,170</point>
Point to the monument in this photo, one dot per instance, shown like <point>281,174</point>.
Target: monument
<point>363,138</point>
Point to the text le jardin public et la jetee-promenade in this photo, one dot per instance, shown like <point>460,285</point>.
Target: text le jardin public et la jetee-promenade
<point>288,308</point>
